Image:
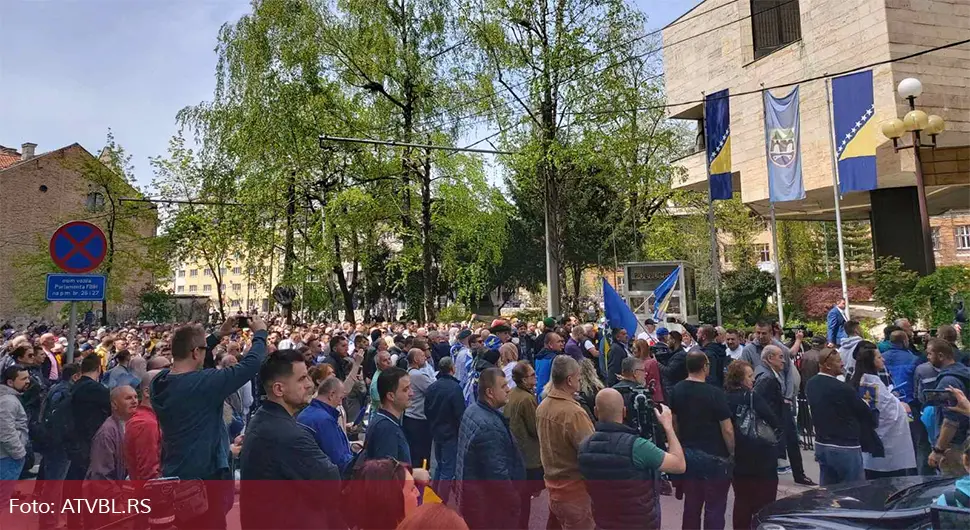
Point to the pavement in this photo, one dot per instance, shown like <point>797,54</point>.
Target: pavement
<point>672,510</point>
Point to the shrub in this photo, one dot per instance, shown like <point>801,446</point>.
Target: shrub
<point>816,300</point>
<point>894,289</point>
<point>531,314</point>
<point>453,313</point>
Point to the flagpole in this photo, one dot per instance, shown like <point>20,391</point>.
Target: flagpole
<point>715,259</point>
<point>774,225</point>
<point>774,243</point>
<point>835,193</point>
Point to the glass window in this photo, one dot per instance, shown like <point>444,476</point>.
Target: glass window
<point>208,272</point>
<point>763,251</point>
<point>94,201</point>
<point>963,237</point>
<point>936,237</point>
<point>180,289</point>
<point>237,270</point>
<point>182,273</point>
<point>194,273</point>
<point>207,288</point>
<point>237,287</point>
<point>235,303</point>
<point>223,271</point>
<point>193,288</point>
<point>774,24</point>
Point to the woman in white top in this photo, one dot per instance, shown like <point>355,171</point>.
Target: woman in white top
<point>508,356</point>
<point>893,427</point>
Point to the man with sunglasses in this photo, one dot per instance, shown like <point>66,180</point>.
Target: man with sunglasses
<point>188,401</point>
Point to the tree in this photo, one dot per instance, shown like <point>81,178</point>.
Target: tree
<point>206,226</point>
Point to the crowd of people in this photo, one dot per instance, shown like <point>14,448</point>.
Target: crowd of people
<point>462,425</point>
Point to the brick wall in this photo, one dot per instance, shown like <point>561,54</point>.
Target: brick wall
<point>28,217</point>
<point>944,228</point>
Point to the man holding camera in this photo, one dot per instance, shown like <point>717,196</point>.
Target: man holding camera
<point>631,379</point>
<point>624,467</point>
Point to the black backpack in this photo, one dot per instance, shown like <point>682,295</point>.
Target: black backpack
<point>56,420</point>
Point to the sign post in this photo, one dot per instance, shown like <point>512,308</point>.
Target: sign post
<point>76,248</point>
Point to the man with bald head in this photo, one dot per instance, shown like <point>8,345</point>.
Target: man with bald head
<point>626,467</point>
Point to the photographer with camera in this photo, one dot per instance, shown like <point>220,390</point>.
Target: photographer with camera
<point>624,468</point>
<point>630,382</point>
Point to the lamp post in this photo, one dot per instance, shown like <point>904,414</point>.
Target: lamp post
<point>916,122</point>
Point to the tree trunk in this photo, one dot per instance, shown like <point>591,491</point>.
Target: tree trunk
<point>338,270</point>
<point>289,255</point>
<point>428,284</point>
<point>577,283</point>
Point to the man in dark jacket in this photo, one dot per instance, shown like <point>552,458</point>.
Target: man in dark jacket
<point>619,350</point>
<point>622,469</point>
<point>385,435</point>
<point>488,459</point>
<point>444,405</point>
<point>631,378</point>
<point>767,379</point>
<point>660,350</point>
<point>90,406</point>
<point>278,448</point>
<point>946,453</point>
<point>675,370</point>
<point>188,401</point>
<point>716,354</point>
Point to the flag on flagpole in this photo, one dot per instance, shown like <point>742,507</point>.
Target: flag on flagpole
<point>717,135</point>
<point>618,314</point>
<point>783,146</point>
<point>853,118</point>
<point>663,293</point>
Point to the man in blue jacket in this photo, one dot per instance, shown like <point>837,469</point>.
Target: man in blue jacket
<point>901,363</point>
<point>444,405</point>
<point>323,418</point>
<point>835,322</point>
<point>189,404</point>
<point>552,346</point>
<point>488,459</point>
<point>385,435</point>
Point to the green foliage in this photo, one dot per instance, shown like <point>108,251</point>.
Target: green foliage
<point>894,289</point>
<point>454,313</point>
<point>745,294</point>
<point>531,315</point>
<point>156,305</point>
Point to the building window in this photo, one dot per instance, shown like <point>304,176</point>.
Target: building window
<point>234,303</point>
<point>936,238</point>
<point>236,287</point>
<point>207,288</point>
<point>180,289</point>
<point>208,272</point>
<point>94,201</point>
<point>963,237</point>
<point>182,273</point>
<point>774,24</point>
<point>251,287</point>
<point>193,288</point>
<point>223,271</point>
<point>194,273</point>
<point>763,251</point>
<point>237,270</point>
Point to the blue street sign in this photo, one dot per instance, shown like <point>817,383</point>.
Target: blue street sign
<point>76,287</point>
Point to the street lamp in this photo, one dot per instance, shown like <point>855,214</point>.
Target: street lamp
<point>916,122</point>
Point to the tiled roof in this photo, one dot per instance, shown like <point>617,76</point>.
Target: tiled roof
<point>8,159</point>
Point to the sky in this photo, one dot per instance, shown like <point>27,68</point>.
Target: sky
<point>72,69</point>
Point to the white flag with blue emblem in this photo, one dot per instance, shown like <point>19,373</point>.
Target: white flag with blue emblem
<point>783,147</point>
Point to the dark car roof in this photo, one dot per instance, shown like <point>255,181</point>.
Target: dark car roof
<point>860,505</point>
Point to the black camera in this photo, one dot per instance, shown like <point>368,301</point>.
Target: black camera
<point>643,407</point>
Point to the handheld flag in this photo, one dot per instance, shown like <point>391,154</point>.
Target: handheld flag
<point>618,314</point>
<point>855,131</point>
<point>717,134</point>
<point>663,293</point>
<point>783,146</point>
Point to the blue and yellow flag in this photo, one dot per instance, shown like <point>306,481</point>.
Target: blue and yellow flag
<point>853,117</point>
<point>663,294</point>
<point>717,134</point>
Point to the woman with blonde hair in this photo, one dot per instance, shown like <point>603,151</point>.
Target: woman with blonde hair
<point>589,385</point>
<point>508,356</point>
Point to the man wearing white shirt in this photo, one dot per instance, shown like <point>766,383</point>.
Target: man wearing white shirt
<point>732,342</point>
<point>650,335</point>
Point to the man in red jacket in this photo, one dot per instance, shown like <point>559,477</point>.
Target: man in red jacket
<point>143,437</point>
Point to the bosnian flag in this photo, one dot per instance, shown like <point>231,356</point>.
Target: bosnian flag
<point>663,293</point>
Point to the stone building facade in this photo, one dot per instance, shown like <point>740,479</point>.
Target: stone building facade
<point>40,192</point>
<point>805,39</point>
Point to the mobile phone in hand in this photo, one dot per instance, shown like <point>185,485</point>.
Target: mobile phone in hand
<point>939,398</point>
